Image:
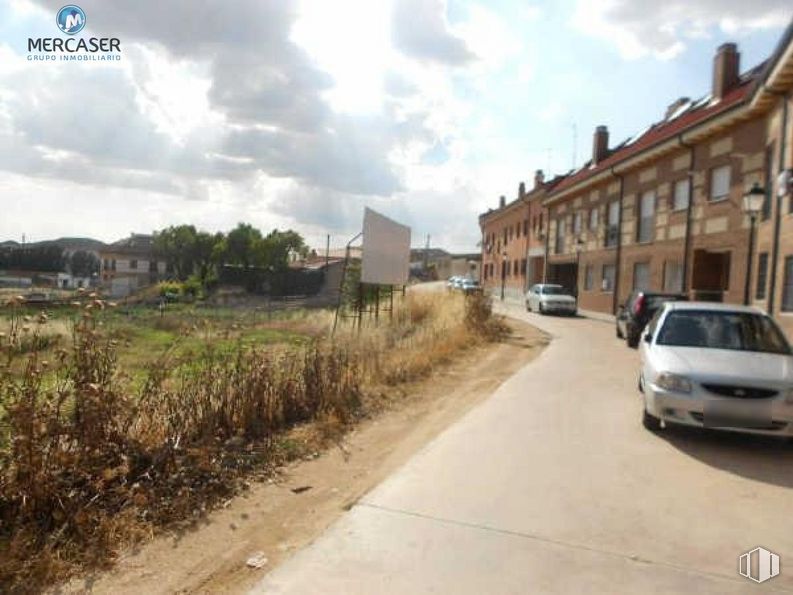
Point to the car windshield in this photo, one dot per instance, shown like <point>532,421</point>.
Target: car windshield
<point>740,331</point>
<point>552,290</point>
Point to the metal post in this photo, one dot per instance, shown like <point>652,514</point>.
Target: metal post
<point>748,286</point>
<point>503,275</point>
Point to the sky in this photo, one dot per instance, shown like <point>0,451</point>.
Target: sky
<point>298,113</point>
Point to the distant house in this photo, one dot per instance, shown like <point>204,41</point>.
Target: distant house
<point>129,265</point>
<point>440,264</point>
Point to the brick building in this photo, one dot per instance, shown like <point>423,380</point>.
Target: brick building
<point>513,240</point>
<point>663,210</point>
<point>129,265</point>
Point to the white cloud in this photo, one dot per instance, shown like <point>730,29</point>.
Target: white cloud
<point>647,27</point>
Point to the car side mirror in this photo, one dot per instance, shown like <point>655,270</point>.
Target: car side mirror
<point>648,338</point>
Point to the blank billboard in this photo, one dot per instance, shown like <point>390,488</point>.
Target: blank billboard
<point>386,250</point>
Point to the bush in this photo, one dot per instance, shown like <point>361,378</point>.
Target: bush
<point>90,461</point>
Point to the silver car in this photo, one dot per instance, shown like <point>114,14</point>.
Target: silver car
<point>547,298</point>
<point>716,366</point>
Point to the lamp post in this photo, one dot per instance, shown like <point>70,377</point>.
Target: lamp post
<point>579,246</point>
<point>503,272</point>
<point>752,204</point>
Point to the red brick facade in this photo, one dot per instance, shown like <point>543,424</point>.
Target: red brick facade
<point>664,212</point>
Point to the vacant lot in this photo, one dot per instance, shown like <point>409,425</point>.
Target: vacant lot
<point>117,422</point>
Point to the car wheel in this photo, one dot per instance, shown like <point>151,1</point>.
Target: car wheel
<point>633,341</point>
<point>651,422</point>
<point>541,308</point>
<point>528,306</point>
<point>619,332</point>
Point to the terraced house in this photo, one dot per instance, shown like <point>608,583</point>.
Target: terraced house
<point>668,210</point>
<point>513,240</point>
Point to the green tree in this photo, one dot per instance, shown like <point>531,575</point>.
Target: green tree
<point>241,245</point>
<point>83,264</point>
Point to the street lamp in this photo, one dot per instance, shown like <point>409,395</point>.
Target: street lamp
<point>752,204</point>
<point>503,272</point>
<point>579,246</point>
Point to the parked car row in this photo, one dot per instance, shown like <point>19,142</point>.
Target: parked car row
<point>703,364</point>
<point>464,284</point>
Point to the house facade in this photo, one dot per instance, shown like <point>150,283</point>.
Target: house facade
<point>129,265</point>
<point>514,241</point>
<point>664,210</point>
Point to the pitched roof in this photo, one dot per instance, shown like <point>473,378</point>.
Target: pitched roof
<point>683,119</point>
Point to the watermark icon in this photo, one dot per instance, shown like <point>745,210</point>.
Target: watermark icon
<point>758,565</point>
<point>71,19</point>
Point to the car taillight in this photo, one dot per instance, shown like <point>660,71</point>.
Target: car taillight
<point>638,305</point>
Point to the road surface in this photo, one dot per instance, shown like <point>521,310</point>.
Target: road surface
<point>554,486</point>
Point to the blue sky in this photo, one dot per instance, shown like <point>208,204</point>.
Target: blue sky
<point>298,113</point>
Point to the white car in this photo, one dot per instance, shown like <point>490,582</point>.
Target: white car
<point>716,366</point>
<point>546,298</point>
<point>452,282</point>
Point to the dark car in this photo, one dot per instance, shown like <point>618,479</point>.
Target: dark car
<point>637,311</point>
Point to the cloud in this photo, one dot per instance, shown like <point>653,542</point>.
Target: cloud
<point>647,27</point>
<point>420,30</point>
<point>263,102</point>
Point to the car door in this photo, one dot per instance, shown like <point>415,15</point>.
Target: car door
<point>535,304</point>
<point>645,346</point>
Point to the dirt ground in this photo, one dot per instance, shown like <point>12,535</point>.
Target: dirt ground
<point>283,515</point>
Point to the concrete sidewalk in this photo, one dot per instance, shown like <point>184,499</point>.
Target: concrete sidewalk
<point>553,486</point>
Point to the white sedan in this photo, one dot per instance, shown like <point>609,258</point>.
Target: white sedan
<point>716,366</point>
<point>547,298</point>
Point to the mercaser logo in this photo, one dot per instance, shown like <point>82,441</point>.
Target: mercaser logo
<point>71,19</point>
<point>758,565</point>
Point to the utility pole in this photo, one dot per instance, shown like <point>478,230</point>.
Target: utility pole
<point>327,252</point>
<point>427,254</point>
<point>575,144</point>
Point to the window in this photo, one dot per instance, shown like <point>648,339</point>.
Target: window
<point>152,266</point>
<point>593,219</point>
<point>769,183</point>
<point>525,227</point>
<point>680,195</point>
<point>560,236</point>
<point>133,264</point>
<point>607,283</point>
<point>646,220</point>
<point>577,223</point>
<point>523,267</point>
<point>113,264</point>
<point>787,287</point>
<point>720,182</point>
<point>673,277</point>
<point>641,276</point>
<point>515,265</point>
<point>762,275</point>
<point>612,233</point>
<point>589,277</point>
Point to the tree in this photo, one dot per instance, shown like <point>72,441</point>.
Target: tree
<point>83,264</point>
<point>241,245</point>
<point>274,249</point>
<point>177,245</point>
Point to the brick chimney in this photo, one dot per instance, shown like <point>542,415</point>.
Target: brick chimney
<point>726,70</point>
<point>600,144</point>
<point>539,178</point>
<point>502,201</point>
<point>675,105</point>
<point>521,190</point>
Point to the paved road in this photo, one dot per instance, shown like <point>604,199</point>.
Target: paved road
<point>553,486</point>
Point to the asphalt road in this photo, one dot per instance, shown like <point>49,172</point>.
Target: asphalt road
<point>553,486</point>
